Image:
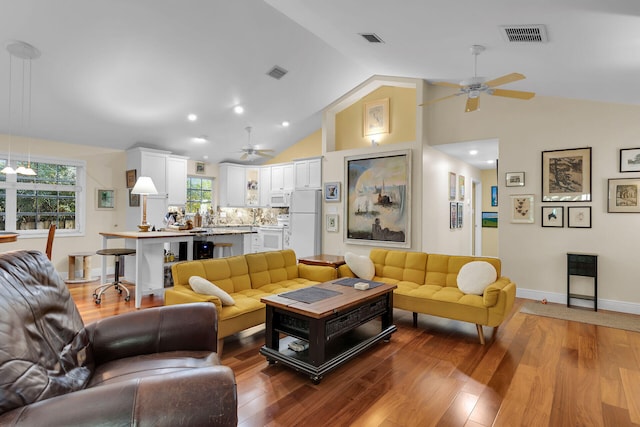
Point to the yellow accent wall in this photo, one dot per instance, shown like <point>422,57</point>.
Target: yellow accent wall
<point>311,146</point>
<point>402,119</point>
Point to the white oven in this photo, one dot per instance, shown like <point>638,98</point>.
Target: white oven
<point>271,238</point>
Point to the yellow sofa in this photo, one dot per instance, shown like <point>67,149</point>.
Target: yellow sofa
<point>427,283</point>
<point>247,278</point>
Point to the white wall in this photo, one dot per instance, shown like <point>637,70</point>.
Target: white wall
<point>535,257</point>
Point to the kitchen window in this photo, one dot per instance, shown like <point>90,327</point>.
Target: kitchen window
<point>55,195</point>
<point>199,194</point>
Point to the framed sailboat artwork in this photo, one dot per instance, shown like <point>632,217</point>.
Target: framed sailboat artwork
<point>378,196</point>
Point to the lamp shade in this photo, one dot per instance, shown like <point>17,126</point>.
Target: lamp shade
<point>144,185</point>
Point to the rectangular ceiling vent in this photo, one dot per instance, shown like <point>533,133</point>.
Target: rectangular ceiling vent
<point>277,72</point>
<point>371,37</point>
<point>524,33</point>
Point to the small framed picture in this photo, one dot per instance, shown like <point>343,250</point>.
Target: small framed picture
<point>200,168</point>
<point>105,198</point>
<point>452,186</point>
<point>630,160</point>
<point>134,199</point>
<point>131,178</point>
<point>490,219</point>
<point>376,117</point>
<point>494,195</point>
<point>332,223</point>
<point>624,195</point>
<point>453,215</point>
<point>461,187</point>
<point>460,214</point>
<point>514,179</point>
<point>331,191</point>
<point>553,216</point>
<point>579,217</point>
<point>522,208</point>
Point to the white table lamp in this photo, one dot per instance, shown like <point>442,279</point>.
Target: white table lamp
<point>144,186</point>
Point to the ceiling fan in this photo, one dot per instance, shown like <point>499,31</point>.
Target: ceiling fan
<point>250,151</point>
<point>475,85</point>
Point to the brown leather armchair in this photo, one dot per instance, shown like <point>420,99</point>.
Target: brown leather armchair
<point>153,367</point>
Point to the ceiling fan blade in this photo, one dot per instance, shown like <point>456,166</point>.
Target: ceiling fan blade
<point>433,101</point>
<point>446,84</point>
<point>263,153</point>
<point>472,104</point>
<point>244,156</point>
<point>513,77</point>
<point>512,93</point>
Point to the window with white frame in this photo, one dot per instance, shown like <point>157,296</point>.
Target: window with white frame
<point>55,195</point>
<point>199,194</point>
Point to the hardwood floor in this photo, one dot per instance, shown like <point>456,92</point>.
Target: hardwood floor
<point>538,371</point>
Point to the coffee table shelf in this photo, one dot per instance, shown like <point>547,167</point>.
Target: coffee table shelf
<point>337,329</point>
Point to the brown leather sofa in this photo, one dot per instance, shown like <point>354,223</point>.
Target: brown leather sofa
<point>152,367</point>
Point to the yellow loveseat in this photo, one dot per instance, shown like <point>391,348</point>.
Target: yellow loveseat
<point>427,283</point>
<point>247,278</point>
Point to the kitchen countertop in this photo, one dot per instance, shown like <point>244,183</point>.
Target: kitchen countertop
<point>214,231</point>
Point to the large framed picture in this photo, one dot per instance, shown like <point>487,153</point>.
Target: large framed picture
<point>376,117</point>
<point>553,216</point>
<point>623,195</point>
<point>331,191</point>
<point>630,160</point>
<point>566,175</point>
<point>378,199</point>
<point>105,198</point>
<point>522,208</point>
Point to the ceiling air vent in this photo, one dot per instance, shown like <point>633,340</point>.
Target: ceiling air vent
<point>371,38</point>
<point>524,33</point>
<point>277,72</point>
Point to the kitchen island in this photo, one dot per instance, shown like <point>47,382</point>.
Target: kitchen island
<point>148,270</point>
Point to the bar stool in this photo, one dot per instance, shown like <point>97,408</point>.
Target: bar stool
<point>117,252</point>
<point>222,247</point>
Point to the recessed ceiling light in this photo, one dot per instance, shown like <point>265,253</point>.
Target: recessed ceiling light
<point>205,157</point>
<point>490,161</point>
<point>239,109</point>
<point>473,152</point>
<point>285,123</point>
<point>192,117</point>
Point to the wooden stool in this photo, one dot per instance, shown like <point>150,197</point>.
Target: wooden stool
<point>86,267</point>
<point>222,247</point>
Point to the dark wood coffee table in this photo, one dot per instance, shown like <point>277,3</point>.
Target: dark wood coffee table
<point>337,328</point>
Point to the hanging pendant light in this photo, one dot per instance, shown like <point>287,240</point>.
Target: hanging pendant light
<point>26,53</point>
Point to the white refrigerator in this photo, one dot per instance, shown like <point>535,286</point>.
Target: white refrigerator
<point>305,225</point>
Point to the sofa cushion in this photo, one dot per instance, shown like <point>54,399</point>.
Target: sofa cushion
<point>475,276</point>
<point>203,286</point>
<point>361,265</point>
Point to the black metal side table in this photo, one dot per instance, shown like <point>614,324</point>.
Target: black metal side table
<point>580,264</point>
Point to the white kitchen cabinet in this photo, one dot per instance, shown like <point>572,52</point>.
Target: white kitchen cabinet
<point>282,177</point>
<point>265,185</point>
<point>308,174</point>
<point>176,180</point>
<point>231,191</point>
<point>151,163</point>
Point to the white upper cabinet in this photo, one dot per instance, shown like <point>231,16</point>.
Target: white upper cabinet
<point>282,177</point>
<point>176,181</point>
<point>231,185</point>
<point>308,174</point>
<point>265,185</point>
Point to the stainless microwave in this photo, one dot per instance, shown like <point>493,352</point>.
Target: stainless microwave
<point>279,199</point>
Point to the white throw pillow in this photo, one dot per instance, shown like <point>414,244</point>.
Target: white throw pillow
<point>203,286</point>
<point>361,265</point>
<point>475,276</point>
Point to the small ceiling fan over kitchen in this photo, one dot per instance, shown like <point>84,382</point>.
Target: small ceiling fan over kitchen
<point>249,151</point>
<point>475,85</point>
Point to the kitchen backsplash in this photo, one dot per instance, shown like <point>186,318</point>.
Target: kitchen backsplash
<point>245,216</point>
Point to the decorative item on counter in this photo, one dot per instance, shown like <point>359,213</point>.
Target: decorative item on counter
<point>197,220</point>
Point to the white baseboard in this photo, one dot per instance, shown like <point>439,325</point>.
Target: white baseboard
<point>561,298</point>
<point>95,273</point>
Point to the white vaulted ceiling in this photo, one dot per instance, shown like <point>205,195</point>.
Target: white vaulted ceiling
<point>121,73</point>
